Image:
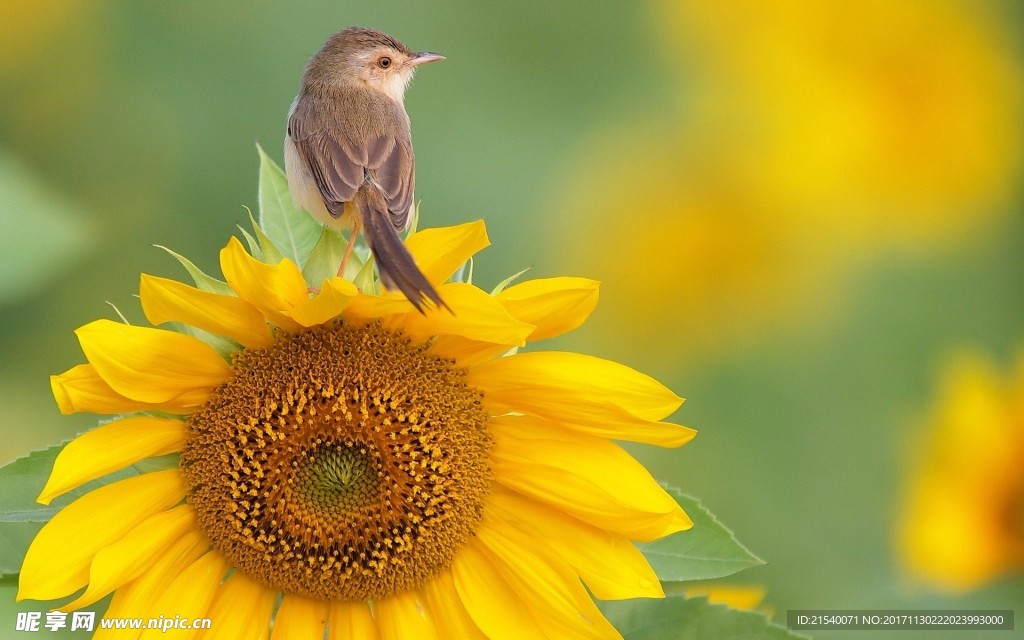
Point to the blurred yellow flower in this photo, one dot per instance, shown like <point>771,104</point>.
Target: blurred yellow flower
<point>898,122</point>
<point>358,468</point>
<point>810,137</point>
<point>962,523</point>
<point>684,244</point>
<point>54,69</point>
<point>742,597</point>
<point>29,27</point>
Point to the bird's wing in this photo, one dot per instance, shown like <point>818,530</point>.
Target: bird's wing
<point>340,167</point>
<point>395,171</point>
<point>337,177</point>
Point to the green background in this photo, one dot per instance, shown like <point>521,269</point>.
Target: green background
<point>129,124</point>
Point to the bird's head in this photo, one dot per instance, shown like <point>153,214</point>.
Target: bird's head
<point>369,57</point>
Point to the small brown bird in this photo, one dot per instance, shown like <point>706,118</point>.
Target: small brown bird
<point>348,152</point>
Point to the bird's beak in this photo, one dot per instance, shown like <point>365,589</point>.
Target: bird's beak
<point>423,57</point>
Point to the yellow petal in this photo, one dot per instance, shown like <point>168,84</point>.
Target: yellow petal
<point>447,611</point>
<point>589,478</point>
<point>241,608</point>
<point>577,375</point>
<point>273,289</point>
<point>440,251</point>
<point>166,300</point>
<point>152,365</point>
<point>545,585</point>
<point>474,315</point>
<point>299,618</point>
<point>365,307</point>
<point>57,562</point>
<point>189,595</point>
<point>126,559</point>
<point>553,305</point>
<point>612,567</point>
<point>351,620</point>
<point>466,352</point>
<point>334,296</point>
<point>400,617</point>
<point>488,599</point>
<point>544,411</point>
<point>81,388</point>
<point>110,447</point>
<point>135,600</point>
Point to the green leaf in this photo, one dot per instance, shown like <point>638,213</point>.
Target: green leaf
<point>21,516</point>
<point>293,231</point>
<point>254,247</point>
<point>159,463</point>
<point>15,538</point>
<point>507,281</point>
<point>23,479</point>
<point>203,281</point>
<point>118,312</point>
<point>10,609</point>
<point>271,254</point>
<point>464,273</point>
<point>708,550</point>
<point>226,347</point>
<point>43,233</point>
<point>679,618</point>
<point>325,258</point>
<point>365,279</point>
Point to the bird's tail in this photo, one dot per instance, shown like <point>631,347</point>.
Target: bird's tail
<point>397,268</point>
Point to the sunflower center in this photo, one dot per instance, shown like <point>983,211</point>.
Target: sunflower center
<point>342,463</point>
<point>337,478</point>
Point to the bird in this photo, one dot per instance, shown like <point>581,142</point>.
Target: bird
<point>348,150</point>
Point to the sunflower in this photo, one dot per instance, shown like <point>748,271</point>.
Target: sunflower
<point>962,519</point>
<point>805,139</point>
<point>349,464</point>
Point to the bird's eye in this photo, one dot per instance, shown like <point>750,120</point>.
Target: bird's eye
<point>383,62</point>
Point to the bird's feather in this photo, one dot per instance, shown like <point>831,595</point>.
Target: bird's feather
<point>375,171</point>
<point>341,166</point>
<point>398,270</point>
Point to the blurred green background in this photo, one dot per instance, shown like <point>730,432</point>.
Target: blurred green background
<point>797,210</point>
